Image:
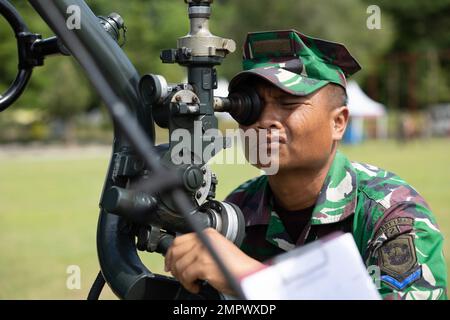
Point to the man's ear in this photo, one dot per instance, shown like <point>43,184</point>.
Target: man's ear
<point>339,118</point>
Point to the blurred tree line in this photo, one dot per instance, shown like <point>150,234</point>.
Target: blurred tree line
<point>405,63</point>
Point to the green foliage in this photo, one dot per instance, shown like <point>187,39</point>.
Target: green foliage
<point>419,24</point>
<point>420,52</point>
<point>408,26</point>
<point>340,21</point>
<point>64,84</point>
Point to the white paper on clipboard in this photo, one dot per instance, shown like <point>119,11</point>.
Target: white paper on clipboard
<point>323,270</point>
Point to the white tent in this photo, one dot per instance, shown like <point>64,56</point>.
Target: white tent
<point>361,105</point>
<point>222,91</point>
<point>361,108</point>
<point>222,88</point>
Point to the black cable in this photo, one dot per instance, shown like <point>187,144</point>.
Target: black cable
<point>24,73</point>
<point>129,126</point>
<point>97,287</point>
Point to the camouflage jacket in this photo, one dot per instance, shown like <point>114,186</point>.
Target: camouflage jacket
<point>393,227</point>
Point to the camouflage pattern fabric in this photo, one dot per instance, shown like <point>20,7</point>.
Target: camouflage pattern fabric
<point>295,63</point>
<point>391,223</point>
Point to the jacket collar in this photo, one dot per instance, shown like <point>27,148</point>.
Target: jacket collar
<point>337,198</point>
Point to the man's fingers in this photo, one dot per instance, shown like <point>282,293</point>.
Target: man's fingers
<point>190,275</point>
<point>181,264</point>
<point>178,250</point>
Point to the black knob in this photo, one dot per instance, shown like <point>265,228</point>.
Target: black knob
<point>193,178</point>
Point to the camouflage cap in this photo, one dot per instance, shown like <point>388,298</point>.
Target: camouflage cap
<point>294,62</point>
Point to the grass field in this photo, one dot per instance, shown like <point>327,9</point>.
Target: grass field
<point>49,209</point>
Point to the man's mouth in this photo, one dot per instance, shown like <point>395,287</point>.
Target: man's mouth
<point>269,140</point>
<point>271,146</point>
<point>272,140</point>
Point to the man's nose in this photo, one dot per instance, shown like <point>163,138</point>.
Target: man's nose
<point>269,118</point>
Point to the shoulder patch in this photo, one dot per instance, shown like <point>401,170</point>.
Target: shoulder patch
<point>400,285</point>
<point>396,226</point>
<point>398,260</point>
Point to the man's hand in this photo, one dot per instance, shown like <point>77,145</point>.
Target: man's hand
<point>188,261</point>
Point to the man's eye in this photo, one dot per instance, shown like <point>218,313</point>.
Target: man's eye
<point>290,104</point>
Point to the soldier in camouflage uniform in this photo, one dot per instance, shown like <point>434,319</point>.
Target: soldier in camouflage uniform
<point>392,224</point>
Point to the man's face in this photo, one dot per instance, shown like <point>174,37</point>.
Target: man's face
<point>305,127</point>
